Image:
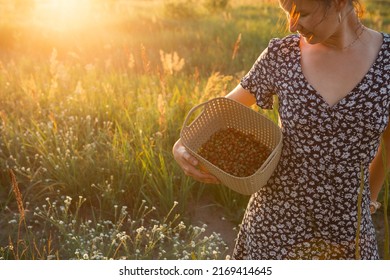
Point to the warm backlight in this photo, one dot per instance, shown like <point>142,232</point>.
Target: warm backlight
<point>63,14</point>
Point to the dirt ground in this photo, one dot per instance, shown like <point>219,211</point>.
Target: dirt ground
<point>206,212</point>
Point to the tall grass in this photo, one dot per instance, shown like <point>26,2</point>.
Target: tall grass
<point>359,214</point>
<point>386,243</point>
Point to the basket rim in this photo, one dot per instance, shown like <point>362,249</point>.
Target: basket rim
<point>261,169</point>
<point>266,163</point>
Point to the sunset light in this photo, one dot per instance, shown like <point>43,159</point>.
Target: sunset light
<point>62,14</point>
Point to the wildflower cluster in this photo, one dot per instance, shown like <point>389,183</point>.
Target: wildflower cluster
<point>61,227</point>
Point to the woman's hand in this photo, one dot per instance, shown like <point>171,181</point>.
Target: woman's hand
<point>374,206</point>
<point>190,165</point>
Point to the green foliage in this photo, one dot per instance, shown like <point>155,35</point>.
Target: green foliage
<point>216,5</point>
<point>377,14</point>
<point>181,9</point>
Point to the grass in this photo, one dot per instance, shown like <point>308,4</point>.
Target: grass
<point>386,245</point>
<point>88,117</point>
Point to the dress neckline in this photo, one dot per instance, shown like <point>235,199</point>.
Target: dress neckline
<point>385,38</point>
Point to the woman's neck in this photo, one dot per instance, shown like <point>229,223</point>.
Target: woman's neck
<point>349,33</point>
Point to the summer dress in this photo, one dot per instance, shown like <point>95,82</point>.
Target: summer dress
<point>309,207</point>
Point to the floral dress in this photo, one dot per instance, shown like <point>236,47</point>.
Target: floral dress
<point>309,207</point>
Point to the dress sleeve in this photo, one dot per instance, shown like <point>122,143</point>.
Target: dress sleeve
<point>260,79</point>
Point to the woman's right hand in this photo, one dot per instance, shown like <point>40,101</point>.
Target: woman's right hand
<point>190,165</point>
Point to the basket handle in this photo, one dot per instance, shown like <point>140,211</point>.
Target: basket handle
<point>197,107</point>
<point>191,112</point>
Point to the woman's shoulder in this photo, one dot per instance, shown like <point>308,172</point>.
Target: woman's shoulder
<point>386,38</point>
<point>289,42</point>
<point>288,39</point>
<point>385,47</point>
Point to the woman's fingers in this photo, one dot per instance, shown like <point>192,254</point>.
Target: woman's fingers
<point>202,176</point>
<point>190,165</point>
<point>187,156</point>
<point>191,168</point>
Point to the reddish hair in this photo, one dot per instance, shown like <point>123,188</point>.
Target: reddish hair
<point>355,3</point>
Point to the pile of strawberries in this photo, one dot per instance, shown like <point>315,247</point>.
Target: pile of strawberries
<point>235,152</point>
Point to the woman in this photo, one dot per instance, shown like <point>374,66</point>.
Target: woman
<point>332,81</point>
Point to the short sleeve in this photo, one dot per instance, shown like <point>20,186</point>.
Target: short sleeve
<point>259,80</point>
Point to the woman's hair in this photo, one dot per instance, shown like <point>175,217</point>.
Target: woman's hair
<point>327,3</point>
<point>355,3</point>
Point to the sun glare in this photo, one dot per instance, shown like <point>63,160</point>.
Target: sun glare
<point>63,14</point>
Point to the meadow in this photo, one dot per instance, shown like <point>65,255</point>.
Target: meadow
<point>91,103</point>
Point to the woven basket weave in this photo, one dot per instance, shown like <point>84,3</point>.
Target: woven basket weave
<point>222,113</point>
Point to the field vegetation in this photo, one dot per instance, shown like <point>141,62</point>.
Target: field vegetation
<point>92,97</point>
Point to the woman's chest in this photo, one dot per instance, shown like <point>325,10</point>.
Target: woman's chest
<point>335,76</point>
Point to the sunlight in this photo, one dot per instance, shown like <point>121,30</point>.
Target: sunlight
<point>63,14</point>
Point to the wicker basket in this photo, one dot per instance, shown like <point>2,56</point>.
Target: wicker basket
<point>222,113</point>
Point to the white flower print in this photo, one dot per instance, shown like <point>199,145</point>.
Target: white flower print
<point>308,209</point>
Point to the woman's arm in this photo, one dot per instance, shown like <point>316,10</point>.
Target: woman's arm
<point>187,162</point>
<point>377,169</point>
<point>242,95</point>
